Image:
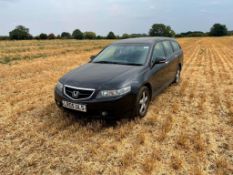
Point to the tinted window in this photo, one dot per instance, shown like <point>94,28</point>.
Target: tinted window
<point>124,54</point>
<point>168,48</point>
<point>175,46</point>
<point>158,51</point>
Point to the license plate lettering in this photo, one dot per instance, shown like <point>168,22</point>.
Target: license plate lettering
<point>74,106</point>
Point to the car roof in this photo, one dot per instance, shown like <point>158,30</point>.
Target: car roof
<point>143,40</point>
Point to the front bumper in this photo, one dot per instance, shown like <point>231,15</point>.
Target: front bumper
<point>117,106</point>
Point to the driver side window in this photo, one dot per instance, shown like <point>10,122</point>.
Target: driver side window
<point>158,52</point>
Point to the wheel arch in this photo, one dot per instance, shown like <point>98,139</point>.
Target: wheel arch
<point>148,85</point>
<point>180,66</point>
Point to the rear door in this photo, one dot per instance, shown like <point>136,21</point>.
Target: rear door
<point>159,74</point>
<point>171,60</point>
<point>178,53</point>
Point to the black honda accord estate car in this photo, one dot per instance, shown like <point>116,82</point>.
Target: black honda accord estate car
<point>123,78</point>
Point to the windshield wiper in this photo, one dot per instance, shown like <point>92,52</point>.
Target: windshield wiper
<point>132,64</point>
<point>110,62</point>
<point>105,62</point>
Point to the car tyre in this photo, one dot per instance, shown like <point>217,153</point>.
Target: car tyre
<point>142,102</point>
<point>177,76</point>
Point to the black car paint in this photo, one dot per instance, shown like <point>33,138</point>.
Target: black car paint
<point>99,76</point>
<point>112,76</point>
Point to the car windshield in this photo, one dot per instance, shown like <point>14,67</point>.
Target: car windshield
<point>127,54</point>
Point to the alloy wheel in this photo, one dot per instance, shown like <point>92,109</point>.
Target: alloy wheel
<point>177,76</point>
<point>143,103</point>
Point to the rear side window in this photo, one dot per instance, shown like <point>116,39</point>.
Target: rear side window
<point>158,51</point>
<point>175,46</point>
<point>168,48</point>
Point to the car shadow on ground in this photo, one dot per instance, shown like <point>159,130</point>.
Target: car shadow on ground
<point>86,119</point>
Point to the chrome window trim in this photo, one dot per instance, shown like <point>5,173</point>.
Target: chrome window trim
<point>78,88</point>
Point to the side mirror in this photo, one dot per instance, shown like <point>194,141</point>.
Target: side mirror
<point>92,57</point>
<point>160,60</point>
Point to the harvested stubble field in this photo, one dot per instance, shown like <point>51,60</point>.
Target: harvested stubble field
<point>188,130</point>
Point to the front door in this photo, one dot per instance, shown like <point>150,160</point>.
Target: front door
<point>159,74</point>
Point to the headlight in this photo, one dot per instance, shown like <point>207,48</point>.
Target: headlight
<point>114,93</point>
<point>59,86</point>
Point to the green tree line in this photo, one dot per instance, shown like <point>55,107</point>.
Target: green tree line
<point>22,33</point>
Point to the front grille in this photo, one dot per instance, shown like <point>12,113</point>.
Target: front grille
<point>77,93</point>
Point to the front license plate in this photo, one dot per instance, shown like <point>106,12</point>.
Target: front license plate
<point>74,106</point>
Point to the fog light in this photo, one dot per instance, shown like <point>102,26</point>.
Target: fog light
<point>58,103</point>
<point>104,113</point>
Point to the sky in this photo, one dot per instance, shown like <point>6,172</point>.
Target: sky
<point>119,16</point>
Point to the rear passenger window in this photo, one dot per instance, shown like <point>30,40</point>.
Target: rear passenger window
<point>175,46</point>
<point>168,48</point>
<point>158,51</point>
